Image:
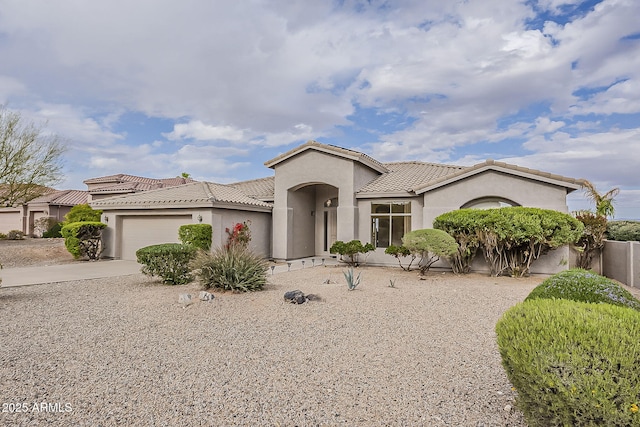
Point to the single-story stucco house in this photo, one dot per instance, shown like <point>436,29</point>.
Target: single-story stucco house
<point>321,193</point>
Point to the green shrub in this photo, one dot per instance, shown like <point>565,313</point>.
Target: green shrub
<point>169,261</point>
<point>462,225</point>
<point>624,231</point>
<point>54,231</point>
<point>83,239</point>
<point>400,252</point>
<point>3,236</point>
<point>233,268</point>
<point>349,251</point>
<point>510,238</point>
<point>572,363</point>
<point>15,235</point>
<point>198,235</point>
<point>431,245</point>
<point>585,286</point>
<point>82,213</point>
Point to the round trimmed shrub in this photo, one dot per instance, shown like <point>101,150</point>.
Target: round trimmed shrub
<point>585,286</point>
<point>198,235</point>
<point>169,261</point>
<point>232,268</point>
<point>572,363</point>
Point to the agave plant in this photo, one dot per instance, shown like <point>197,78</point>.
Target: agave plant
<point>352,281</point>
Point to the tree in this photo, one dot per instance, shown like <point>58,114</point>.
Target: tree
<point>603,202</point>
<point>30,159</point>
<point>81,213</point>
<point>430,245</point>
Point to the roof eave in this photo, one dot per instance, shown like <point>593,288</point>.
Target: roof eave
<point>545,178</point>
<point>385,195</point>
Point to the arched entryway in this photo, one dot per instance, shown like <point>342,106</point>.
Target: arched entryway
<point>314,219</point>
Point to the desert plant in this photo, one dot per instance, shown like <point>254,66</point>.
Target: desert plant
<point>239,235</point>
<point>198,235</point>
<point>82,213</point>
<point>349,252</point>
<point>431,245</point>
<point>572,363</point>
<point>603,202</point>
<point>592,238</point>
<point>169,261</point>
<point>42,225</point>
<point>624,231</point>
<point>352,281</point>
<point>399,252</point>
<point>84,239</point>
<point>15,235</point>
<point>233,268</point>
<point>54,232</point>
<point>585,286</point>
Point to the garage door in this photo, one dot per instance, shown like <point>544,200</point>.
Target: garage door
<point>10,220</point>
<point>140,231</point>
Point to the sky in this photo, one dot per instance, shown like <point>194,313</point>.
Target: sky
<point>215,88</point>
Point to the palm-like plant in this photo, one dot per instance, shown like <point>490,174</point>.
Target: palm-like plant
<point>603,202</point>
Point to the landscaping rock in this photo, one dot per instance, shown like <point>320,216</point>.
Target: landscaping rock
<point>206,296</point>
<point>185,299</point>
<point>295,297</point>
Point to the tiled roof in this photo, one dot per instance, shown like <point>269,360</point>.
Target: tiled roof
<point>331,149</point>
<point>198,193</point>
<point>405,176</point>
<point>126,187</point>
<point>128,182</point>
<point>261,188</point>
<point>63,198</point>
<point>571,183</point>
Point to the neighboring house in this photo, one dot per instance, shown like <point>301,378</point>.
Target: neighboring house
<point>322,193</point>
<point>57,203</point>
<point>121,184</point>
<point>54,204</point>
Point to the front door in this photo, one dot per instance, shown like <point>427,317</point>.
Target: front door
<point>330,227</point>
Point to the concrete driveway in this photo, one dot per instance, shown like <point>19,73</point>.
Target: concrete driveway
<point>79,270</point>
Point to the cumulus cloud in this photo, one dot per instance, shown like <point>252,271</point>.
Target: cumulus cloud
<point>461,76</point>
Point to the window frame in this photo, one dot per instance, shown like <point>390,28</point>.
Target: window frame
<point>389,215</point>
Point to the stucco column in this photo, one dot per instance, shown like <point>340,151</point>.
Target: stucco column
<point>347,222</point>
<point>282,232</point>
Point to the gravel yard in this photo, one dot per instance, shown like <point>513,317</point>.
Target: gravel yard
<point>124,352</point>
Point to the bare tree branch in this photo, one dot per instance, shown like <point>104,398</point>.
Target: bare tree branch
<point>30,160</point>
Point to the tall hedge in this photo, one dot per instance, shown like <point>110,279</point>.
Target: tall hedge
<point>198,235</point>
<point>510,238</point>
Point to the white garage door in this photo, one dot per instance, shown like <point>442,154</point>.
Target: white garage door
<point>141,231</point>
<point>10,220</point>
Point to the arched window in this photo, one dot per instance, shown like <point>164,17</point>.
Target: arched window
<point>489,203</point>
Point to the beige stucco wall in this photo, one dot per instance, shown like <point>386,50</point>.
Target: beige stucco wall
<point>220,219</point>
<point>522,191</point>
<point>291,227</point>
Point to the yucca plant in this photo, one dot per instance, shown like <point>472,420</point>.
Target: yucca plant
<point>352,281</point>
<point>232,268</point>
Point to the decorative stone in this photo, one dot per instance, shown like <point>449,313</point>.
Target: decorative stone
<point>295,297</point>
<point>507,408</point>
<point>185,299</point>
<point>205,296</point>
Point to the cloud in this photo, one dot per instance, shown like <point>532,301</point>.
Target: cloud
<point>201,132</point>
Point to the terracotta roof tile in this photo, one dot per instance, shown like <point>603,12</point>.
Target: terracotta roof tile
<point>205,193</point>
<point>405,176</point>
<point>261,188</point>
<point>64,198</point>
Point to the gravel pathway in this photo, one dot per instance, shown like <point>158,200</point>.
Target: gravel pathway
<point>124,352</point>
